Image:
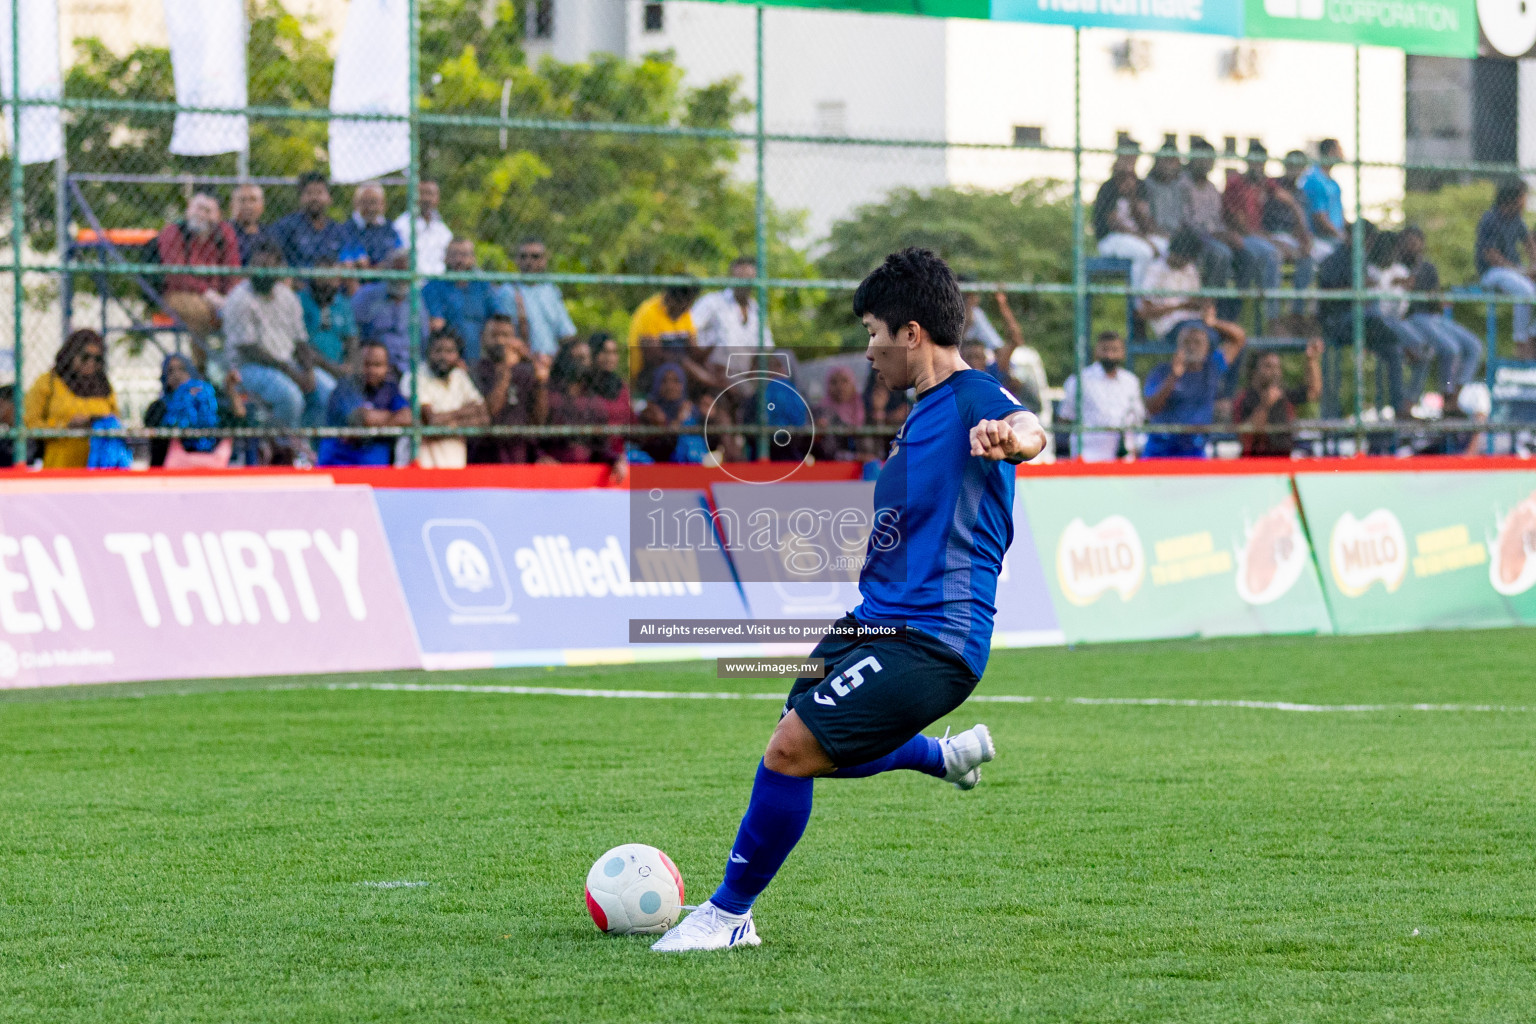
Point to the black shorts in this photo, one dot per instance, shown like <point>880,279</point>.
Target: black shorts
<point>878,693</point>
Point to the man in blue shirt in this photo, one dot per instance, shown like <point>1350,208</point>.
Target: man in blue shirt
<point>462,305</point>
<point>309,235</point>
<point>1505,255</point>
<point>382,312</point>
<point>1184,390</point>
<point>943,517</point>
<point>370,399</point>
<point>539,309</point>
<point>1322,198</point>
<point>367,238</point>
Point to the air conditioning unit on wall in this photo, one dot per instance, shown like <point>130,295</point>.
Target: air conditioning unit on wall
<point>1240,63</point>
<point>1131,55</point>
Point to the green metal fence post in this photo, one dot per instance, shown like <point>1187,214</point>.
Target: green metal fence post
<point>760,198</point>
<point>1357,277</point>
<point>1080,325</point>
<point>18,226</point>
<point>413,209</point>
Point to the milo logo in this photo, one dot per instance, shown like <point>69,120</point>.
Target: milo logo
<point>1092,560</point>
<point>1362,552</point>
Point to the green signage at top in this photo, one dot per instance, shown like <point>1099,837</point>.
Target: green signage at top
<point>1446,28</point>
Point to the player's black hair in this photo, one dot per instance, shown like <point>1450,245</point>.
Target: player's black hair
<point>914,285</point>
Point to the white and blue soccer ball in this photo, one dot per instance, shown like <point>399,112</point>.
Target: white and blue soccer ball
<point>634,889</point>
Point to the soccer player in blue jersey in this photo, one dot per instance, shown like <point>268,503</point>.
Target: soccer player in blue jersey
<point>944,513</point>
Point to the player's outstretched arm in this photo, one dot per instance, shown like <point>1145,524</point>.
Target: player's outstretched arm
<point>1018,438</point>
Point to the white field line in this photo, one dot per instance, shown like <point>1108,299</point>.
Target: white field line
<point>1165,702</point>
<point>393,885</point>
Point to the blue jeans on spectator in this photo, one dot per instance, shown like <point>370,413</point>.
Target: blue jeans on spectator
<point>1509,281</point>
<point>1259,265</point>
<point>1457,349</point>
<point>1216,261</point>
<point>1383,337</point>
<point>289,406</point>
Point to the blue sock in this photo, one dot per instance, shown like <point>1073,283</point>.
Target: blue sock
<point>920,754</point>
<point>775,820</point>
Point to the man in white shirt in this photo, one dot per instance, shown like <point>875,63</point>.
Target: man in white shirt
<point>448,399</point>
<point>1179,271</point>
<point>432,234</point>
<point>728,319</point>
<point>1111,398</point>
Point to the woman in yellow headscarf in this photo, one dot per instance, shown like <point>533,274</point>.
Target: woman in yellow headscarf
<point>72,394</point>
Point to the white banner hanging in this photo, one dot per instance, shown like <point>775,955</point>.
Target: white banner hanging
<point>208,59</point>
<point>42,131</point>
<point>372,77</point>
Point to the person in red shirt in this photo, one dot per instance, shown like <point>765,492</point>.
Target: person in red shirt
<point>1267,402</point>
<point>202,240</point>
<point>1242,208</point>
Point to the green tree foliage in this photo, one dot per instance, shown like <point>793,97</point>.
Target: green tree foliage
<point>1024,235</point>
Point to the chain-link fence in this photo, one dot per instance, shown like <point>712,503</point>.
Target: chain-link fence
<point>646,177</point>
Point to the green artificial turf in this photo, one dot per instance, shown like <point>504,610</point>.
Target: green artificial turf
<point>197,852</point>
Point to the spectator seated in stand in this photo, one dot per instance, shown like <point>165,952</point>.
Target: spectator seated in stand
<point>448,398</point>
<point>1179,272</point>
<point>1185,390</point>
<point>189,402</point>
<point>1323,199</point>
<point>368,398</point>
<point>432,233</point>
<point>539,309</point>
<point>1337,315</point>
<point>1247,196</point>
<point>74,395</point>
<point>247,203</point>
<point>264,328</point>
<point>201,240</point>
<point>308,235</point>
<point>329,322</point>
<point>1284,219</point>
<point>1458,351</point>
<point>1222,249</point>
<point>7,415</point>
<point>367,237</point>
<point>382,311</point>
<point>1506,259</point>
<point>716,409</point>
<point>1267,402</point>
<point>882,408</point>
<point>610,391</point>
<point>668,406</point>
<point>842,408</point>
<point>1122,221</point>
<point>572,403</point>
<point>515,388</point>
<point>464,306</point>
<point>1111,397</point>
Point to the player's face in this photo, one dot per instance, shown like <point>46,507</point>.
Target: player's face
<point>887,353</point>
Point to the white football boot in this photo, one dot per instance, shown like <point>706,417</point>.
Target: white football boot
<point>709,927</point>
<point>965,753</point>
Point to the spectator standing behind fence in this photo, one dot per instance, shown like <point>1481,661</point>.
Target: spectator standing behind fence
<point>1221,247</point>
<point>369,398</point>
<point>309,235</point>
<point>662,331</point>
<point>329,322</point>
<point>190,402</point>
<point>539,309</point>
<point>247,204</point>
<point>1111,398</point>
<point>382,310</point>
<point>1323,199</point>
<point>74,394</point>
<point>432,232</point>
<point>1017,365</point>
<point>1267,402</point>
<point>1458,350</point>
<point>1506,256</point>
<point>515,389</point>
<point>1185,389</point>
<point>729,319</point>
<point>462,305</point>
<point>448,398</point>
<point>264,325</point>
<point>1121,220</point>
<point>367,238</point>
<point>201,240</point>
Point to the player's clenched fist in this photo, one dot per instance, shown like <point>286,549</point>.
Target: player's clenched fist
<point>1017,438</point>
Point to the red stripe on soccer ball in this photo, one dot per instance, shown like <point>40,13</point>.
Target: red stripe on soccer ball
<point>598,917</point>
<point>676,876</point>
